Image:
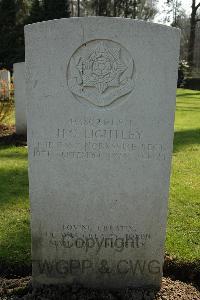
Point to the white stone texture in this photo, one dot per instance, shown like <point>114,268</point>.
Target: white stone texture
<point>20,98</point>
<point>101,101</point>
<point>5,84</point>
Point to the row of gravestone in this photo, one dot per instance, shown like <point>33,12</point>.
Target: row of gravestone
<point>19,94</point>
<point>101,101</point>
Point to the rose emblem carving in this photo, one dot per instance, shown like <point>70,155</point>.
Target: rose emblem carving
<point>101,68</point>
<point>100,72</point>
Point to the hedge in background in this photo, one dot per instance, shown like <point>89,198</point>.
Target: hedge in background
<point>192,83</point>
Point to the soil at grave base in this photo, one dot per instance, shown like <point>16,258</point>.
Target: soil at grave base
<point>16,289</point>
<point>9,137</point>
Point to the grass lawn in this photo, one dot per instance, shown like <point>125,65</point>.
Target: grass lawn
<point>183,230</point>
<point>14,205</point>
<point>183,238</point>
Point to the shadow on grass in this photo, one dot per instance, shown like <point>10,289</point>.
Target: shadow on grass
<point>15,227</point>
<point>182,108</point>
<point>13,139</point>
<point>15,252</point>
<point>13,185</point>
<point>185,138</point>
<point>13,155</point>
<point>188,104</point>
<point>188,94</point>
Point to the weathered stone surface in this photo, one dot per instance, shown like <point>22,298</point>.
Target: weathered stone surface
<point>101,102</point>
<point>5,82</point>
<point>20,98</point>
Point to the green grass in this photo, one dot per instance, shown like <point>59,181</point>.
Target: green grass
<point>14,205</point>
<point>183,230</point>
<point>183,238</point>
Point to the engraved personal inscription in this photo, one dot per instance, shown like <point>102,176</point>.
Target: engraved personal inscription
<point>100,72</point>
<point>86,139</point>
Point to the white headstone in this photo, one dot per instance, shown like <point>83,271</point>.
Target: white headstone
<point>20,98</point>
<point>101,102</point>
<point>5,84</point>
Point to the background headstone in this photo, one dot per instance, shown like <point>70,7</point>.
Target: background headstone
<point>101,102</point>
<point>5,84</point>
<point>20,98</point>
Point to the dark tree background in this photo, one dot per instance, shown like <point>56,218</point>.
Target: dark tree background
<point>9,32</point>
<point>194,19</point>
<point>136,9</point>
<point>14,14</point>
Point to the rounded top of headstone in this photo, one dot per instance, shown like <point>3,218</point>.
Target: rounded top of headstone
<point>103,19</point>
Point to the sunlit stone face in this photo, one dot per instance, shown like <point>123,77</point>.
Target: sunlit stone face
<point>100,135</point>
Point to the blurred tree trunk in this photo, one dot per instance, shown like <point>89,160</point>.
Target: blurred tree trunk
<point>193,22</point>
<point>126,8</point>
<point>78,8</point>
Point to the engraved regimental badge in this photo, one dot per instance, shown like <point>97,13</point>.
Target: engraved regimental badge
<point>100,72</point>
